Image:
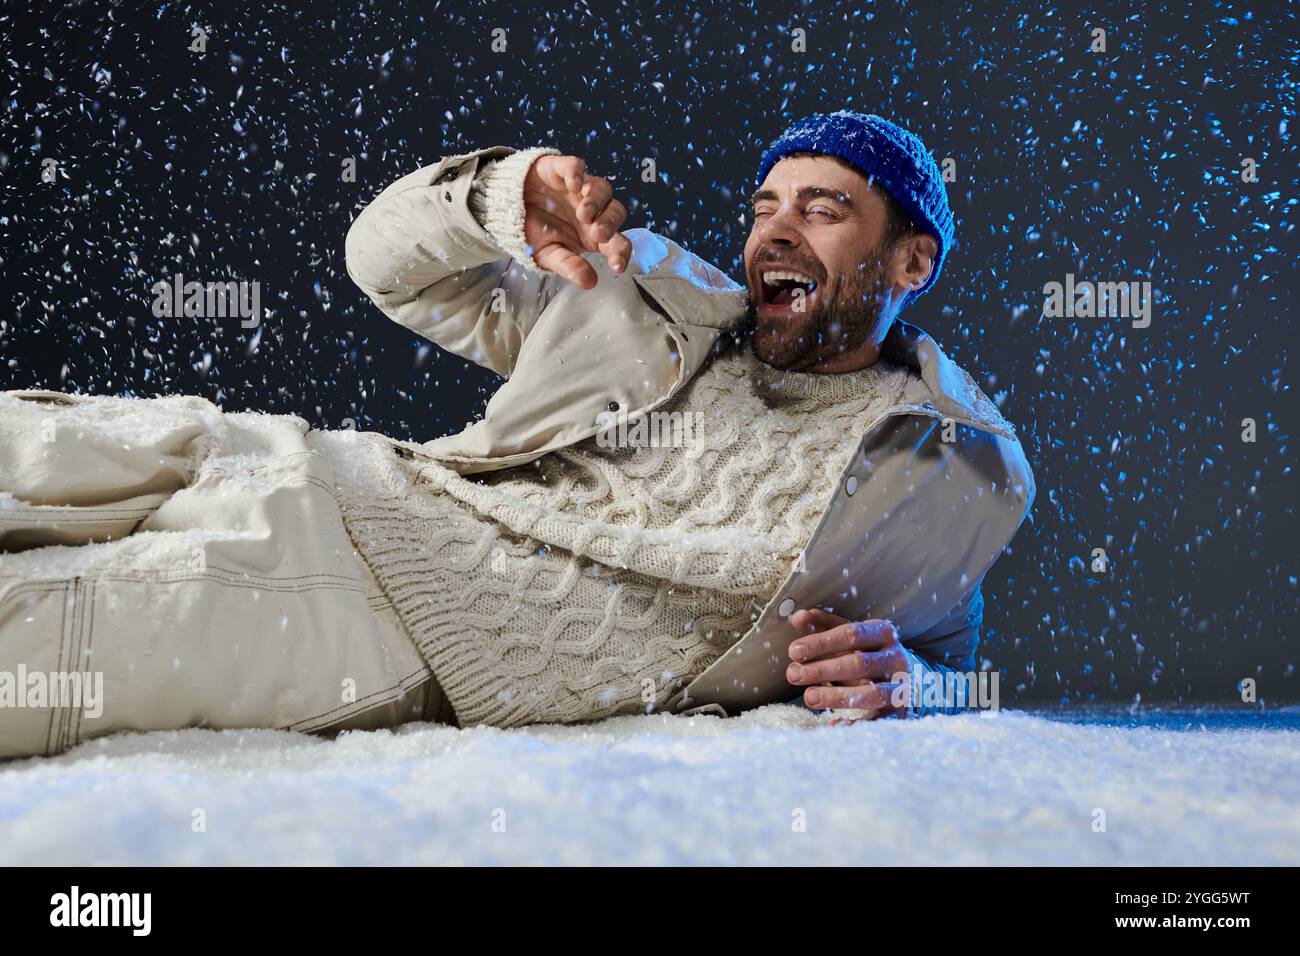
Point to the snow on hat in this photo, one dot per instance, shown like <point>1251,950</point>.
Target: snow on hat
<point>883,151</point>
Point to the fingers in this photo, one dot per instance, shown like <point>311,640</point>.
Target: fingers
<point>596,194</point>
<point>562,173</point>
<point>877,697</point>
<point>608,220</point>
<point>808,620</point>
<point>575,172</point>
<point>597,216</point>
<point>849,666</point>
<point>615,246</point>
<point>567,264</point>
<point>870,635</point>
<point>618,251</point>
<point>602,215</point>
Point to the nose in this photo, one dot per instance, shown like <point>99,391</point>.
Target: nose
<point>776,232</point>
<point>780,228</point>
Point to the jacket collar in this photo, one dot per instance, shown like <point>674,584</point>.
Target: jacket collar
<point>952,392</point>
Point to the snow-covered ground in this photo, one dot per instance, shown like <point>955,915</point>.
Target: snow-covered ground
<point>773,786</point>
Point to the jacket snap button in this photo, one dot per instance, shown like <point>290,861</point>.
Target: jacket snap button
<point>613,406</point>
<point>447,196</point>
<point>851,485</point>
<point>786,608</point>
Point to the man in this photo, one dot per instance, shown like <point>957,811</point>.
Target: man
<point>824,522</point>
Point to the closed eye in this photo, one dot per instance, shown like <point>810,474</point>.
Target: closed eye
<point>823,211</point>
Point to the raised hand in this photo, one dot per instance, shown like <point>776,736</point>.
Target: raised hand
<point>567,213</point>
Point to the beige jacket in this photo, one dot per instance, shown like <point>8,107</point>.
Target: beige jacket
<point>938,491</point>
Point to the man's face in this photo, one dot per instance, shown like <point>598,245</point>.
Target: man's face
<point>813,263</point>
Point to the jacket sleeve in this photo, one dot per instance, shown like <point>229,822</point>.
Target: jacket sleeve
<point>948,510</point>
<point>422,257</point>
<point>960,634</point>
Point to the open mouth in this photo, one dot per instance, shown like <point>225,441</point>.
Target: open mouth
<point>785,288</point>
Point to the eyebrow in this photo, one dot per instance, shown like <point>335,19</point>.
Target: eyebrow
<point>806,193</point>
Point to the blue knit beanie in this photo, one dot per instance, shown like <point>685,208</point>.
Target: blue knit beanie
<point>883,151</point>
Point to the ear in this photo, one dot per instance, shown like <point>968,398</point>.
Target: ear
<point>912,261</point>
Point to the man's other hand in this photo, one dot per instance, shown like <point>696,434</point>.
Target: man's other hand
<point>567,213</point>
<point>859,659</point>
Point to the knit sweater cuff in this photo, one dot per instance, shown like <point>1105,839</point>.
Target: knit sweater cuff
<point>496,200</point>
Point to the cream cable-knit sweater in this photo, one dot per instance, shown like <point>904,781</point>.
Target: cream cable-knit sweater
<point>599,580</point>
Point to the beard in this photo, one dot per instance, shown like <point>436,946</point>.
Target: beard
<point>842,319</point>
